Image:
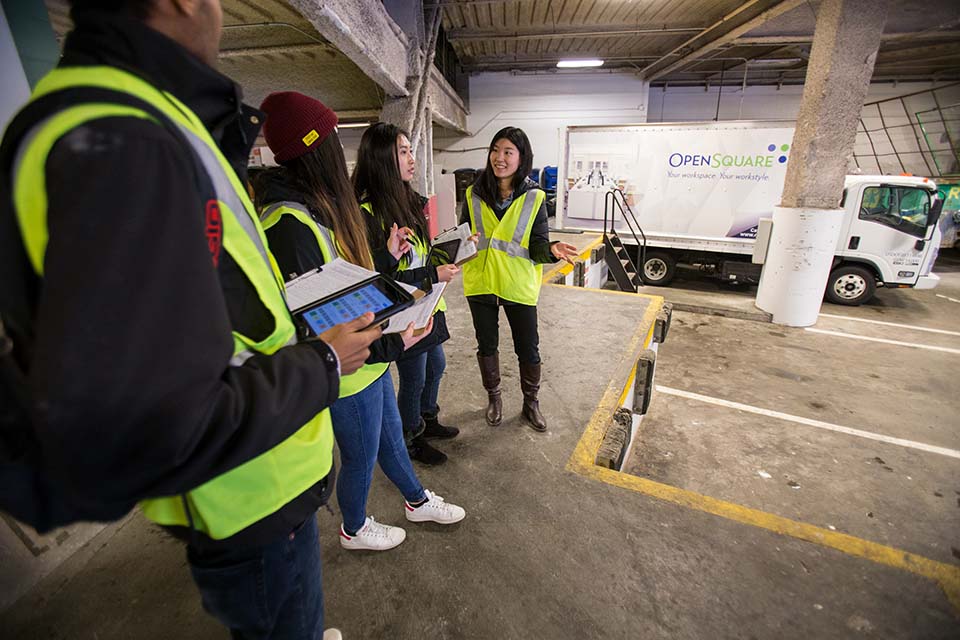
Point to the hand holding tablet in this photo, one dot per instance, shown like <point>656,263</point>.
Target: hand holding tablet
<point>351,342</point>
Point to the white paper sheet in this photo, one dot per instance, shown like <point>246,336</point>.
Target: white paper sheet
<point>467,249</point>
<point>420,313</point>
<point>332,277</point>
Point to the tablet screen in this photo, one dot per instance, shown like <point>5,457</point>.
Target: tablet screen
<point>346,308</point>
<point>444,252</point>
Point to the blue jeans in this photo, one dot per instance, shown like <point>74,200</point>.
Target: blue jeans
<point>272,591</point>
<point>368,430</point>
<point>419,387</point>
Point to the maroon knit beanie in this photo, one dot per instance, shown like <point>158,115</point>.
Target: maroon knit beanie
<point>295,124</point>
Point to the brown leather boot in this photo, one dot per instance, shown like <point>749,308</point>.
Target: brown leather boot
<point>490,373</point>
<point>530,385</point>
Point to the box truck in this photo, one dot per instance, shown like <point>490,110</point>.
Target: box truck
<point>698,193</point>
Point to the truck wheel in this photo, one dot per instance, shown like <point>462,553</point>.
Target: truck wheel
<point>850,285</point>
<point>658,269</point>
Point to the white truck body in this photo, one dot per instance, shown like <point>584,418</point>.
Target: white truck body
<point>699,191</point>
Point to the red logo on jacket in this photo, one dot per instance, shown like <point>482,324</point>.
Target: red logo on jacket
<point>214,231</point>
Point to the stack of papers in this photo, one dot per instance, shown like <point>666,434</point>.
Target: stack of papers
<point>319,283</point>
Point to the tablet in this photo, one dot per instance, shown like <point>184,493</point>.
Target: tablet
<point>378,294</point>
<point>444,252</point>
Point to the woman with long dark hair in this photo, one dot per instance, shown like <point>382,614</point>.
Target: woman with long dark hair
<point>381,183</point>
<point>506,209</point>
<point>311,217</point>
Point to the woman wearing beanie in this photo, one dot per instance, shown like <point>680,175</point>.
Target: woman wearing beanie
<point>506,209</point>
<point>311,217</point>
<point>381,182</point>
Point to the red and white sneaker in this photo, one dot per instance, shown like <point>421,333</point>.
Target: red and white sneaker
<point>373,536</point>
<point>435,509</point>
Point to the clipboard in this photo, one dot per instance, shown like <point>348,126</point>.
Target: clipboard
<point>340,292</point>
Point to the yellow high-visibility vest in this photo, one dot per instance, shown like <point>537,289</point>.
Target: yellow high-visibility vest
<point>259,487</point>
<point>503,266</point>
<point>271,214</point>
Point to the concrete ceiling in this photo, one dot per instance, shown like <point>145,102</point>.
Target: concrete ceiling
<point>690,41</point>
<point>269,46</point>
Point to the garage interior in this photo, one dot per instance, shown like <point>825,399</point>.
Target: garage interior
<point>785,478</point>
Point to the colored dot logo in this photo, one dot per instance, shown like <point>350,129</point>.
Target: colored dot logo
<point>784,148</point>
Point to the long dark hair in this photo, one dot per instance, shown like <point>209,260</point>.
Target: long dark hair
<point>376,179</point>
<point>486,183</point>
<point>321,176</point>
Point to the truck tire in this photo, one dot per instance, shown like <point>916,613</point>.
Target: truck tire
<point>658,269</point>
<point>851,285</point>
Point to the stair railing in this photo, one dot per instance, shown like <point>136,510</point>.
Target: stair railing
<point>615,200</point>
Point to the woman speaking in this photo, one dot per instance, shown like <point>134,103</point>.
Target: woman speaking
<point>506,210</point>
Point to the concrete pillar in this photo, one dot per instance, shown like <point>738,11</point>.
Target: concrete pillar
<point>366,34</point>
<point>412,113</point>
<point>401,109</point>
<point>806,225</point>
<point>408,14</point>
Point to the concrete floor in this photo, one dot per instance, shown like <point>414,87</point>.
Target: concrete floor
<point>547,553</point>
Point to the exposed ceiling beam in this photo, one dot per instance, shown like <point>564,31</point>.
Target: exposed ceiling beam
<point>279,49</point>
<point>354,115</point>
<point>461,3</point>
<point>916,36</point>
<point>799,80</point>
<point>919,53</point>
<point>366,34</point>
<point>765,63</point>
<point>721,35</point>
<point>586,31</point>
<point>532,60</point>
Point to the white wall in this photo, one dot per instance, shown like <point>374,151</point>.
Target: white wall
<point>688,104</point>
<point>541,105</point>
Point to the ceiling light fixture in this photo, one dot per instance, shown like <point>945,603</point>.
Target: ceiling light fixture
<point>571,64</point>
<point>352,125</point>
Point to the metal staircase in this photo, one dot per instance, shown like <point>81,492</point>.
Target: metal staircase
<point>618,259</point>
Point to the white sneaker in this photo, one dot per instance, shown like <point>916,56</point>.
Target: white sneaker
<point>435,510</point>
<point>373,536</point>
<point>332,634</point>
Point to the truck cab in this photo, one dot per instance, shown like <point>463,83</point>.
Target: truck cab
<point>890,237</point>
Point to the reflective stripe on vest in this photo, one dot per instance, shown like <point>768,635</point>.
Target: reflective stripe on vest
<point>503,266</point>
<point>240,497</point>
<point>272,213</point>
<point>421,248</point>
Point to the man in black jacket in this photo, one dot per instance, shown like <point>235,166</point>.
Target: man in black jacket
<point>127,336</point>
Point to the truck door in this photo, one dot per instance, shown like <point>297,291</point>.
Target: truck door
<point>890,229</point>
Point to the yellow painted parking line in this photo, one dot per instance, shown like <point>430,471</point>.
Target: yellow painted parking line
<point>615,292</point>
<point>586,451</point>
<point>581,462</point>
<point>563,268</point>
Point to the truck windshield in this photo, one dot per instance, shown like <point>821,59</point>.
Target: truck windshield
<point>906,209</point>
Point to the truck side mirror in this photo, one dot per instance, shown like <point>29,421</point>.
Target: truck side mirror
<point>934,216</point>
